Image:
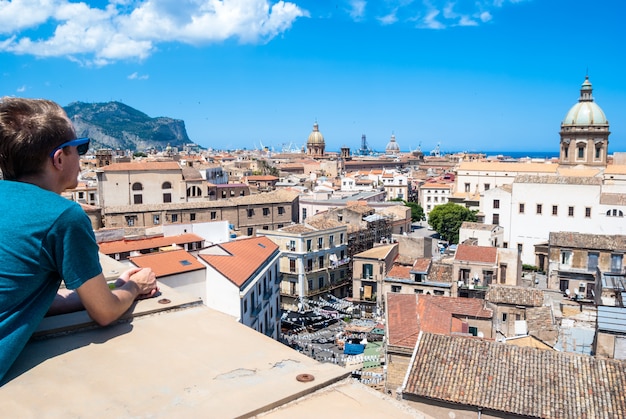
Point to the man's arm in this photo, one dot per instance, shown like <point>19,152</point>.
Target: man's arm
<point>105,305</point>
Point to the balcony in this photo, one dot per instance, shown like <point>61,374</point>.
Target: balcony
<point>256,309</point>
<point>340,262</point>
<point>329,287</point>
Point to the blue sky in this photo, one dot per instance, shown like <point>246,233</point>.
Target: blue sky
<point>478,75</point>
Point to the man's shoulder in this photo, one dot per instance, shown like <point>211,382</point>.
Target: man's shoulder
<point>29,198</point>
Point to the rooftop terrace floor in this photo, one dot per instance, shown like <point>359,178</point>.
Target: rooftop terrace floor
<point>180,359</point>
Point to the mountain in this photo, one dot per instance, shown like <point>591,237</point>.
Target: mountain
<point>119,126</point>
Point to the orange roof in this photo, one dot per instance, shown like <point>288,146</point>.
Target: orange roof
<point>168,263</point>
<point>121,246</point>
<point>402,327</point>
<point>458,306</point>
<point>409,314</point>
<point>243,257</point>
<point>482,254</point>
<point>421,265</point>
<point>142,166</point>
<point>261,177</point>
<point>400,271</point>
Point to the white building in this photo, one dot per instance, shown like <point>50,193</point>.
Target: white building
<point>579,194</point>
<point>243,281</point>
<point>481,234</point>
<point>433,194</point>
<point>396,185</point>
<point>314,260</point>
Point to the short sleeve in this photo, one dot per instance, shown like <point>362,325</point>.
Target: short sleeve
<point>72,243</point>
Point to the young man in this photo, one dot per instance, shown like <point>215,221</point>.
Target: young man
<point>45,238</point>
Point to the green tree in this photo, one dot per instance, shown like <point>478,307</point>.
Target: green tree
<point>417,212</point>
<point>446,220</point>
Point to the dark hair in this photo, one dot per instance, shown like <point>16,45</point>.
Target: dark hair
<point>29,130</point>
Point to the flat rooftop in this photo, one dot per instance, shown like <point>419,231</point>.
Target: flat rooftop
<point>171,356</point>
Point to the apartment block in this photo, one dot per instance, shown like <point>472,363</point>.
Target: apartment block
<point>314,261</point>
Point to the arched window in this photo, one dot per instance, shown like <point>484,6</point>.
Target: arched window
<point>614,213</point>
<point>166,185</point>
<point>137,186</point>
<point>194,192</point>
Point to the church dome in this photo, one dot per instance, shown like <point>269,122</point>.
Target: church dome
<point>392,146</point>
<point>315,137</point>
<point>585,112</point>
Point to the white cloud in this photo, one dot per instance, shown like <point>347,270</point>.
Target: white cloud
<point>137,76</point>
<point>357,9</point>
<point>426,14</point>
<point>21,89</point>
<point>389,19</point>
<point>132,30</point>
<point>430,21</point>
<point>467,21</point>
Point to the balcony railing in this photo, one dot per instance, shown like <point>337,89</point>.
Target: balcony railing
<point>257,309</point>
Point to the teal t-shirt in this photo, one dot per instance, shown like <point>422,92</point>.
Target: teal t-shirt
<point>44,238</point>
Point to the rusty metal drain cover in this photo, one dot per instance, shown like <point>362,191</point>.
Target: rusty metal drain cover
<point>305,378</point>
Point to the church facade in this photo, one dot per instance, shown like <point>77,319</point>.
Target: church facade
<point>581,193</point>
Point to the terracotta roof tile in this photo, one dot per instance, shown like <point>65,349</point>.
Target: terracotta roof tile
<point>121,246</point>
<point>168,263</point>
<point>241,258</point>
<point>482,254</point>
<point>408,314</point>
<point>421,265</point>
<point>470,307</point>
<point>523,381</point>
<point>141,166</point>
<point>503,294</point>
<point>261,177</point>
<point>402,325</point>
<point>400,272</point>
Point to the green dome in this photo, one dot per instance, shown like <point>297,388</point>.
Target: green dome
<point>586,111</point>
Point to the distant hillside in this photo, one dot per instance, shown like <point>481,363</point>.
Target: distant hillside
<point>118,126</point>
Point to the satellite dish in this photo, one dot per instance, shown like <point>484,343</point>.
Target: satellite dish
<point>567,292</point>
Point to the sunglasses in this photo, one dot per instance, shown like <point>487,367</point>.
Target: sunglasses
<point>82,145</point>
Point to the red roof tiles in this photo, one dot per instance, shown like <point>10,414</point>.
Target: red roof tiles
<point>522,381</point>
<point>168,263</point>
<point>484,254</point>
<point>400,272</point>
<point>408,314</point>
<point>122,246</point>
<point>142,166</point>
<point>241,258</point>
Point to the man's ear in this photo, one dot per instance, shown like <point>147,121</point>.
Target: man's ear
<point>57,159</point>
